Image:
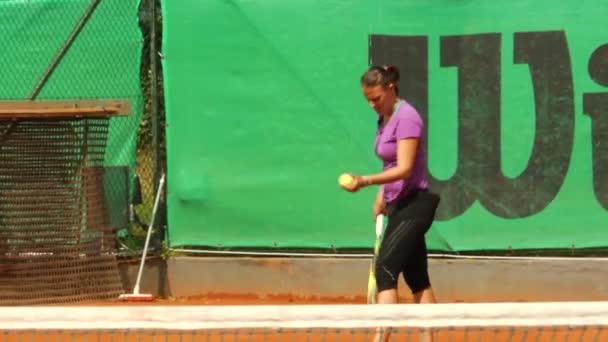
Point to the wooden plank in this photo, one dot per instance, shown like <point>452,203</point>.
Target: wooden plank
<point>63,109</point>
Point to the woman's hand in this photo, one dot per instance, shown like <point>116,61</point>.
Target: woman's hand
<point>356,182</point>
<point>378,208</point>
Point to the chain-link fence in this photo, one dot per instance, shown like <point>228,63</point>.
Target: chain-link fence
<point>69,51</point>
<point>151,154</point>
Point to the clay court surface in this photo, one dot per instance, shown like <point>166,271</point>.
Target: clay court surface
<point>242,299</point>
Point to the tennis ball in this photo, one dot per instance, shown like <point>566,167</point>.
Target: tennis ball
<point>346,179</point>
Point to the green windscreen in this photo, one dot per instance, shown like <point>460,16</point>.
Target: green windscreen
<point>264,111</point>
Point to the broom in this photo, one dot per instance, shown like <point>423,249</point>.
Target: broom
<point>136,296</point>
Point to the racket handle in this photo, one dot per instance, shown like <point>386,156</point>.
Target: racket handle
<point>379,224</point>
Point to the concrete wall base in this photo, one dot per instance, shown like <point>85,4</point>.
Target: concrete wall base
<point>345,280</point>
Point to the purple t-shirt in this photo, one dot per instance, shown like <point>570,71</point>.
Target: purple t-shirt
<point>404,123</point>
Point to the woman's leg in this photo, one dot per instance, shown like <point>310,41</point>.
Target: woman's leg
<point>402,241</point>
<point>417,278</point>
<point>389,264</point>
<point>395,248</point>
<point>426,296</point>
<point>404,244</point>
<point>389,296</point>
<point>416,274</point>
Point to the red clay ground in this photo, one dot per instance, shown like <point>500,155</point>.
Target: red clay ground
<point>244,299</point>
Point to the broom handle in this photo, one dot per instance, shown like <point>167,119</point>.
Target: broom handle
<point>149,233</point>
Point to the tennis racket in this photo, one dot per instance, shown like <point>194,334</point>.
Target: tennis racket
<point>371,282</point>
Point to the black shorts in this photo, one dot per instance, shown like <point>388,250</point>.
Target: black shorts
<point>403,248</point>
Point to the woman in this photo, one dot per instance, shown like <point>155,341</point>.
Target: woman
<point>403,194</point>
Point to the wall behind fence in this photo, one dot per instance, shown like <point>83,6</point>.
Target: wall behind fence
<point>264,111</point>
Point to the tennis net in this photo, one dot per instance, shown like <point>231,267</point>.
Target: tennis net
<point>496,322</point>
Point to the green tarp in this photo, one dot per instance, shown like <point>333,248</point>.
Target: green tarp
<point>264,111</point>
